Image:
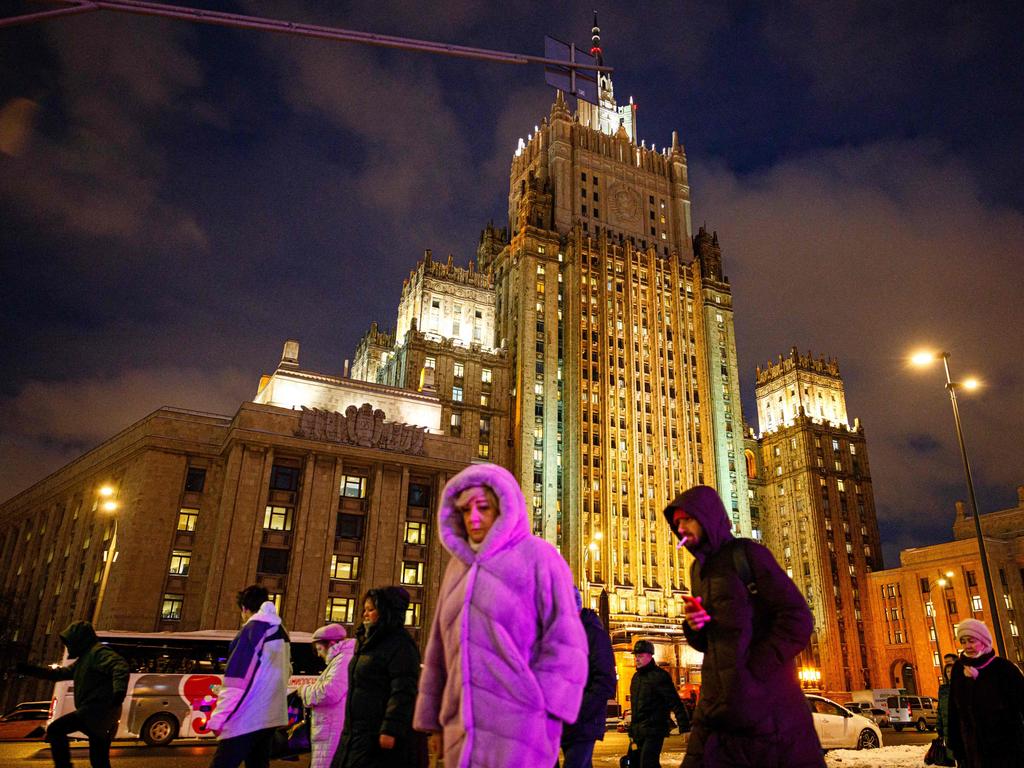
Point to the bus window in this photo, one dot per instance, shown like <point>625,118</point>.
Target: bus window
<point>304,660</point>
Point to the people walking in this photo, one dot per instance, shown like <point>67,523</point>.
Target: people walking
<point>750,621</point>
<point>506,661</point>
<point>382,679</point>
<point>100,678</point>
<point>252,702</point>
<point>986,703</point>
<point>579,737</point>
<point>942,711</point>
<point>326,697</point>
<point>652,697</point>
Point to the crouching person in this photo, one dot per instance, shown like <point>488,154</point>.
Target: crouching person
<point>506,661</point>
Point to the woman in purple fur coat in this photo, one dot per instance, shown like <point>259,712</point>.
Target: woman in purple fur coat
<point>506,661</point>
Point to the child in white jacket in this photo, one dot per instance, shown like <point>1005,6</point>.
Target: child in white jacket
<point>326,697</point>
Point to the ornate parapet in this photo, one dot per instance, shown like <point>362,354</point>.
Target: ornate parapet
<point>796,361</point>
<point>363,426</point>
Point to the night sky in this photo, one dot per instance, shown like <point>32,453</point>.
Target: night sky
<point>177,200</point>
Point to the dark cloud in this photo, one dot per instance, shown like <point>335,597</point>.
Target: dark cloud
<point>923,444</point>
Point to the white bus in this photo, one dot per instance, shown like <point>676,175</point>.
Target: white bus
<point>171,674</point>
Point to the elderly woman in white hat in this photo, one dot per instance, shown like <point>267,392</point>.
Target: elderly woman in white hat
<point>986,703</point>
<point>326,697</point>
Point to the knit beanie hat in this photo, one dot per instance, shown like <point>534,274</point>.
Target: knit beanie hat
<point>975,629</point>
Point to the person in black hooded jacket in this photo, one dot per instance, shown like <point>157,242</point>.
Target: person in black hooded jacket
<point>383,678</point>
<point>100,682</point>
<point>578,739</point>
<point>752,711</point>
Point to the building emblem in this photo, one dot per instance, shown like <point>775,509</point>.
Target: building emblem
<point>363,426</point>
<point>625,204</point>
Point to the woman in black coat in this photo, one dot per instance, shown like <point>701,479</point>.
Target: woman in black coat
<point>752,711</point>
<point>986,703</point>
<point>382,683</point>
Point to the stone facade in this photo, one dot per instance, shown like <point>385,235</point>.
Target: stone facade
<point>207,504</point>
<point>818,511</point>
<point>918,605</point>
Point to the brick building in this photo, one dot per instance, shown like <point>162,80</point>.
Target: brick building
<point>919,604</point>
<point>305,489</point>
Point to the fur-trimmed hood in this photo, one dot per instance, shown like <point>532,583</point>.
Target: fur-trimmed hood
<point>511,525</point>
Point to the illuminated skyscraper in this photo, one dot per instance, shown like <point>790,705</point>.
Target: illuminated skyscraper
<point>615,322</point>
<point>819,510</point>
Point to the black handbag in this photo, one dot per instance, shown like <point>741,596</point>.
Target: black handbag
<point>937,753</point>
<point>291,740</point>
<point>632,757</point>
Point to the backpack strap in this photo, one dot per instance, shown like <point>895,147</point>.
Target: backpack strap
<point>741,562</point>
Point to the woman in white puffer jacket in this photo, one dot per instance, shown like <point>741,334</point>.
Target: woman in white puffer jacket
<point>326,697</point>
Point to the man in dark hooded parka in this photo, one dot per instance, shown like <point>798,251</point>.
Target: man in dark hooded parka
<point>752,711</point>
<point>100,678</point>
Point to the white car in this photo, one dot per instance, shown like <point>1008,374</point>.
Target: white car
<point>839,728</point>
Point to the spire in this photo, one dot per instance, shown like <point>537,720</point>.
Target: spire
<point>595,37</point>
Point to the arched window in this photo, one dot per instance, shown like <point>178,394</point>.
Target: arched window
<point>751,465</point>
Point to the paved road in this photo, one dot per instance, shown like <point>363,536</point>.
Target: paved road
<point>23,754</point>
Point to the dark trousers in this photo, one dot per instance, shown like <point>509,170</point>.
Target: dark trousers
<point>578,754</point>
<point>650,751</point>
<point>100,732</point>
<point>251,748</point>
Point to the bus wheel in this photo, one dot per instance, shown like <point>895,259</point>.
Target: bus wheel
<point>922,726</point>
<point>897,728</point>
<point>160,730</point>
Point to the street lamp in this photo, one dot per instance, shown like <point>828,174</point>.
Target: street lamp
<point>109,505</point>
<point>593,551</point>
<point>922,359</point>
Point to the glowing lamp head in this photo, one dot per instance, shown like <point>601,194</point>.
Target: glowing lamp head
<point>106,491</point>
<point>971,383</point>
<point>948,574</point>
<point>598,535</point>
<point>109,506</point>
<point>922,358</point>
<point>941,582</point>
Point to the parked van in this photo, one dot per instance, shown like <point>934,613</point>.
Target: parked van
<point>919,711</point>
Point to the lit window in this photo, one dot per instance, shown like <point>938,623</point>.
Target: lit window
<point>170,608</point>
<point>180,559</point>
<point>415,532</point>
<point>412,573</point>
<point>412,615</point>
<point>340,610</point>
<point>277,519</point>
<point>975,602</point>
<point>430,363</point>
<point>459,371</point>
<point>485,375</point>
<point>344,567</point>
<point>485,400</point>
<point>483,451</point>
<point>456,424</point>
<point>353,486</point>
<point>187,517</point>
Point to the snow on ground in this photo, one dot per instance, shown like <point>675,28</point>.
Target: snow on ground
<point>904,756</point>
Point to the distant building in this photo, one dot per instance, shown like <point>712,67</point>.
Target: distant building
<point>817,510</point>
<point>918,605</point>
<point>319,489</point>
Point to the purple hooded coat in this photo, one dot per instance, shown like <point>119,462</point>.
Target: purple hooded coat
<point>506,661</point>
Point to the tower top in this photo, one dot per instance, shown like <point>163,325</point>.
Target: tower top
<point>595,40</point>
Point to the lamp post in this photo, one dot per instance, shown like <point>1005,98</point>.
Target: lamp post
<point>109,505</point>
<point>593,550</point>
<point>925,358</point>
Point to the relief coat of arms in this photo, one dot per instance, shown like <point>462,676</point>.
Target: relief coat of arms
<point>625,204</point>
